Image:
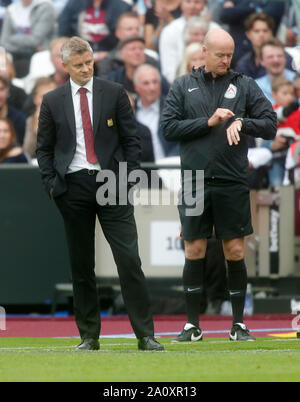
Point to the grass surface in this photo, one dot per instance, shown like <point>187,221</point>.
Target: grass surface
<point>49,359</point>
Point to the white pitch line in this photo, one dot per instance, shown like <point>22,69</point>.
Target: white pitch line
<point>32,348</point>
<point>103,349</point>
<point>258,351</point>
<point>175,344</point>
<point>206,341</point>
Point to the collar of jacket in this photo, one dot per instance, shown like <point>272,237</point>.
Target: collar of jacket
<point>200,72</point>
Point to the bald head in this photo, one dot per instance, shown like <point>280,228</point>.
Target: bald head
<point>147,84</point>
<point>218,37</point>
<point>218,50</point>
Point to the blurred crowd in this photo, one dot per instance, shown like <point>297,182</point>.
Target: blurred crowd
<point>145,45</point>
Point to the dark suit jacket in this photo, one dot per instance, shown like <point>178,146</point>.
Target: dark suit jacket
<point>56,142</point>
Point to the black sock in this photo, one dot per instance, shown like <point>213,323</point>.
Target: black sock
<point>193,283</point>
<point>237,283</point>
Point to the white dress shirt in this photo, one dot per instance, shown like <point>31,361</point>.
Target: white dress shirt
<point>79,161</point>
<point>150,117</point>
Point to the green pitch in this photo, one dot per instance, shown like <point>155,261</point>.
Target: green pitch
<point>48,359</point>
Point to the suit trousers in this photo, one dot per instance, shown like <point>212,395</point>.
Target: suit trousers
<point>79,209</point>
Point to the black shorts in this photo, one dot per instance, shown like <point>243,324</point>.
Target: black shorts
<point>226,209</point>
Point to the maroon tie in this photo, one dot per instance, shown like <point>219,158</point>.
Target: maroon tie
<point>87,127</point>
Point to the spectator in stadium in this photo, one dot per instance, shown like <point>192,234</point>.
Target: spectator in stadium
<point>42,86</point>
<point>195,30</point>
<point>109,12</point>
<point>9,151</point>
<point>147,153</point>
<point>272,57</point>
<point>128,25</point>
<point>93,28</point>
<point>17,117</point>
<point>171,43</point>
<point>132,52</point>
<point>60,76</point>
<point>212,129</point>
<point>287,105</point>
<point>147,149</point>
<point>43,65</point>
<point>16,95</point>
<point>28,27</point>
<point>158,16</point>
<point>235,12</point>
<point>288,128</point>
<point>69,160</point>
<point>149,106</point>
<point>193,58</point>
<point>259,28</point>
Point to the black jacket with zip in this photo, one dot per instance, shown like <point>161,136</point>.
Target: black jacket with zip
<point>193,99</point>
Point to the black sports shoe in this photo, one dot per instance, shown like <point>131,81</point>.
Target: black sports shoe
<point>298,335</point>
<point>193,334</point>
<point>240,332</point>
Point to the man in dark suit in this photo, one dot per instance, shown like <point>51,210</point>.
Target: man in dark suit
<point>85,126</point>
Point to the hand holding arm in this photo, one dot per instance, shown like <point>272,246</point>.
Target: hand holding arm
<point>220,116</point>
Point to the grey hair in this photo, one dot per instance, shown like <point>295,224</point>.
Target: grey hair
<point>194,22</point>
<point>140,68</point>
<point>74,45</point>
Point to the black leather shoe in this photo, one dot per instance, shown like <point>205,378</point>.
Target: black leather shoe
<point>149,343</point>
<point>88,344</point>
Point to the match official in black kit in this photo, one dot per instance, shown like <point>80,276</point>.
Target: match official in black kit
<point>210,112</point>
<point>85,126</point>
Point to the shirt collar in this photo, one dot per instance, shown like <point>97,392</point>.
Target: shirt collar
<point>154,106</point>
<point>75,87</point>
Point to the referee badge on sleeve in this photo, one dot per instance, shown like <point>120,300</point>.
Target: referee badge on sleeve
<point>110,122</point>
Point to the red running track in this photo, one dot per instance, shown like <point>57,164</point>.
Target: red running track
<point>213,326</point>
